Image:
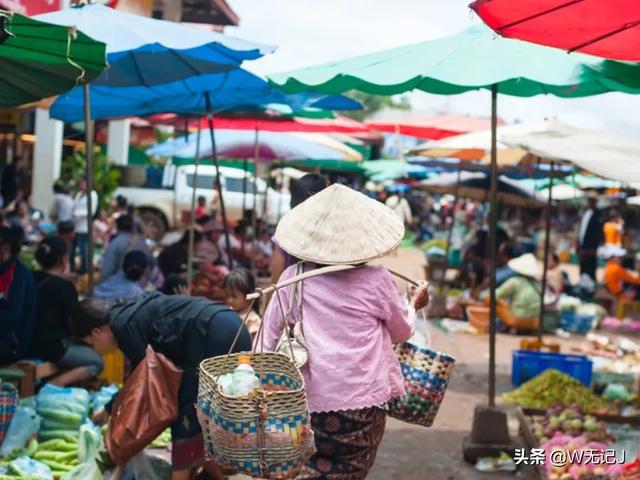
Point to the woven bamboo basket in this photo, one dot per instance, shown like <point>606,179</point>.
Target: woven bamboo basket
<point>426,377</point>
<point>266,434</point>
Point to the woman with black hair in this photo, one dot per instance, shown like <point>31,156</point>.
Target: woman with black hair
<point>17,293</point>
<point>173,259</point>
<point>184,329</point>
<point>125,285</point>
<point>302,189</point>
<point>57,298</point>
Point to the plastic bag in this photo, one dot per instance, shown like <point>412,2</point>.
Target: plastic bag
<point>84,471</point>
<point>102,397</point>
<point>27,467</point>
<point>74,400</point>
<point>24,424</point>
<point>89,445</point>
<point>147,467</point>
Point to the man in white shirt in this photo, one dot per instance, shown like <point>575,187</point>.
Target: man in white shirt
<point>80,220</point>
<point>62,209</point>
<point>401,207</point>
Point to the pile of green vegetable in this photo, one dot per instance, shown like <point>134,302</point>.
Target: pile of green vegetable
<point>70,445</point>
<point>553,387</point>
<point>62,411</point>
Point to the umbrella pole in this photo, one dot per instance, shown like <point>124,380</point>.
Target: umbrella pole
<point>88,132</point>
<point>493,223</point>
<point>453,223</point>
<point>192,217</point>
<point>245,168</point>
<point>254,214</point>
<point>547,235</point>
<point>214,155</point>
<point>280,193</point>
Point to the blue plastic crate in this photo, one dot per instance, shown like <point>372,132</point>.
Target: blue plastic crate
<point>527,364</point>
<point>572,322</point>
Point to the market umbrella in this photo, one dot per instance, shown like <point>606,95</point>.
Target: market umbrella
<point>605,154</point>
<point>432,128</point>
<point>235,91</point>
<point>476,146</point>
<point>241,144</point>
<point>40,60</point>
<point>561,192</point>
<point>381,170</point>
<point>289,124</point>
<point>608,29</point>
<point>145,51</point>
<point>472,59</point>
<point>477,186</point>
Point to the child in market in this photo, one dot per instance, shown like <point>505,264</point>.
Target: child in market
<point>201,209</point>
<point>238,284</point>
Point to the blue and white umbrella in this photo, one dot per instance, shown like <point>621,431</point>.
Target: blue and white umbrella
<point>146,51</point>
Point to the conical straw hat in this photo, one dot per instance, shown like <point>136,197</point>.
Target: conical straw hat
<point>339,226</point>
<point>526,265</point>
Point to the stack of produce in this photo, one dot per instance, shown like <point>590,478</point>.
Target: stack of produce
<point>62,410</point>
<point>551,388</point>
<point>583,466</point>
<point>569,420</point>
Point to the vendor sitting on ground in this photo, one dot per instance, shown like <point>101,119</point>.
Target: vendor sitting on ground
<point>56,299</point>
<point>518,297</point>
<point>619,281</point>
<point>184,329</point>
<point>126,283</point>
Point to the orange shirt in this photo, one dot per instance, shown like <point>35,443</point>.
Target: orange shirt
<point>612,233</point>
<point>615,275</point>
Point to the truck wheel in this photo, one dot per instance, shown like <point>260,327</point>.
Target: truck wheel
<point>153,224</point>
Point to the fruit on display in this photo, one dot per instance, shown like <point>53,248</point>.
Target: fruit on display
<point>580,467</point>
<point>570,421</point>
<point>553,387</point>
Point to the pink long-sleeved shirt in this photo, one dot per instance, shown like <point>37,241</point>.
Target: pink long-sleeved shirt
<point>350,321</point>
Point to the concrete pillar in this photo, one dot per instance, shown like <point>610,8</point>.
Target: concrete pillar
<point>47,157</point>
<point>118,141</point>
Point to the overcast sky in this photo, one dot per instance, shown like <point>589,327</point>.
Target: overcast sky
<point>308,32</point>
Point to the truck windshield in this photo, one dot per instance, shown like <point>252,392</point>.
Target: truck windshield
<point>204,181</point>
<point>234,184</point>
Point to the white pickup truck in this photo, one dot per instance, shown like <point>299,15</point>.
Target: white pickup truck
<point>162,194</point>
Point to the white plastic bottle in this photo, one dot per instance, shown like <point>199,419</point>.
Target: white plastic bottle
<point>244,376</point>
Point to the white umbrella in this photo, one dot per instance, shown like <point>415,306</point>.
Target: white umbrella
<point>605,154</point>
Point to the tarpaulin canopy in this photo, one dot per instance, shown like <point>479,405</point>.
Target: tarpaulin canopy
<point>475,186</point>
<point>146,51</point>
<point>433,128</point>
<point>608,28</point>
<point>237,90</point>
<point>472,59</point>
<point>40,60</point>
<point>242,144</point>
<point>605,154</point>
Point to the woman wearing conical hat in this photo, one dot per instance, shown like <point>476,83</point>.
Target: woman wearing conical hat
<point>350,320</point>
